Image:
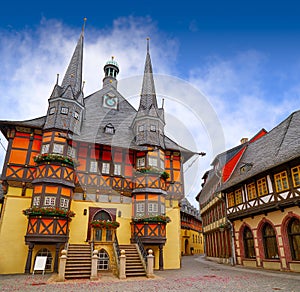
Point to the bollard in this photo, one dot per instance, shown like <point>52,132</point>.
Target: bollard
<point>94,270</point>
<point>150,264</point>
<point>122,273</point>
<point>62,266</point>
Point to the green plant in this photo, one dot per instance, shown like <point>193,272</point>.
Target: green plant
<point>104,224</point>
<point>48,211</point>
<point>50,157</point>
<point>165,175</point>
<point>155,218</point>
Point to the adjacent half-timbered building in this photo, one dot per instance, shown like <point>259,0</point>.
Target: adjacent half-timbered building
<point>256,194</point>
<point>93,171</point>
<point>191,229</point>
<point>263,198</point>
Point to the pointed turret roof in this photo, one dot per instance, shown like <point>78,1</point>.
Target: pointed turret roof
<point>71,87</point>
<point>148,95</point>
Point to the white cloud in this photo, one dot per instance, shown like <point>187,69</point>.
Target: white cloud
<point>234,102</point>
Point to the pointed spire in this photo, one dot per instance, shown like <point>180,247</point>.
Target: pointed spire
<point>73,76</point>
<point>148,95</point>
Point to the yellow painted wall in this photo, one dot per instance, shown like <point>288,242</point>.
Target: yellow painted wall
<point>197,245</point>
<point>172,248</point>
<point>13,225</point>
<point>79,224</point>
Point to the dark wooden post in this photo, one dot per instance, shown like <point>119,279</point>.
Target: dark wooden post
<point>57,247</point>
<point>29,258</point>
<point>161,257</point>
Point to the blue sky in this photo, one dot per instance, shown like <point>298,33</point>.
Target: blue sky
<point>243,57</point>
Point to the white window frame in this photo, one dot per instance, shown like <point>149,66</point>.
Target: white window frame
<point>50,201</point>
<point>45,148</point>
<point>71,152</point>
<point>36,201</point>
<point>52,110</point>
<point>105,167</point>
<point>140,162</point>
<point>93,166</point>
<point>76,115</point>
<point>117,169</point>
<point>58,148</point>
<point>152,128</point>
<point>152,161</point>
<point>140,208</point>
<point>152,207</point>
<point>64,110</point>
<point>64,203</point>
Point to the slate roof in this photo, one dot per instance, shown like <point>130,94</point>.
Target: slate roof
<point>280,145</point>
<point>214,179</point>
<point>188,208</point>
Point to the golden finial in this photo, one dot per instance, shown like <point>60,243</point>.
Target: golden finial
<point>84,21</point>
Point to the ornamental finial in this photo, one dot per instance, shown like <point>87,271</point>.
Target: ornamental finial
<point>148,40</point>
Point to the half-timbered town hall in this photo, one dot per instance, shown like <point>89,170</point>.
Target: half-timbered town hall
<point>92,173</point>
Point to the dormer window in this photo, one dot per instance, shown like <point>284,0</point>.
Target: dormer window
<point>52,110</point>
<point>152,128</point>
<point>109,129</point>
<point>76,115</point>
<point>141,128</point>
<point>64,110</point>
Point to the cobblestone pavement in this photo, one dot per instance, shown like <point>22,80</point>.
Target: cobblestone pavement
<point>196,274</point>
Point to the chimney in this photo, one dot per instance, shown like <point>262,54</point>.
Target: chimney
<point>244,140</point>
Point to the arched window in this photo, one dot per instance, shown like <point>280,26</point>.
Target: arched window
<point>102,215</point>
<point>269,241</point>
<point>103,261</point>
<point>44,252</point>
<point>248,243</point>
<point>293,230</point>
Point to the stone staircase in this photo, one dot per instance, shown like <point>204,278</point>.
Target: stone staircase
<point>79,261</point>
<point>134,265</point>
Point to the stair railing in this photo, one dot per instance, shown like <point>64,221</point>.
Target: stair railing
<point>141,247</point>
<point>117,252</point>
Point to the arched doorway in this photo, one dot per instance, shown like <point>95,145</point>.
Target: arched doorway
<point>186,246</point>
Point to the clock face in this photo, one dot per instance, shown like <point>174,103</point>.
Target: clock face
<point>110,101</point>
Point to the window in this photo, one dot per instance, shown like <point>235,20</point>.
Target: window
<point>281,181</point>
<point>296,176</point>
<point>103,261</point>
<point>251,191</point>
<point>248,243</point>
<point>269,242</point>
<point>76,115</point>
<point>152,208</point>
<point>262,188</point>
<point>58,148</point>
<point>117,169</point>
<point>102,215</point>
<point>140,162</point>
<point>140,207</point>
<point>238,196</point>
<point>93,166</point>
<point>162,164</point>
<point>36,201</point>
<point>109,129</point>
<point>64,203</point>
<point>52,110</point>
<point>152,128</point>
<point>230,199</point>
<point>153,161</point>
<point>105,168</point>
<point>98,234</point>
<point>64,110</point>
<point>162,209</point>
<point>50,201</point>
<point>44,252</point>
<point>108,235</point>
<point>71,152</point>
<point>141,128</point>
<point>45,148</point>
<point>294,238</point>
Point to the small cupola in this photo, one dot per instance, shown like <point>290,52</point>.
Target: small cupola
<point>111,70</point>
